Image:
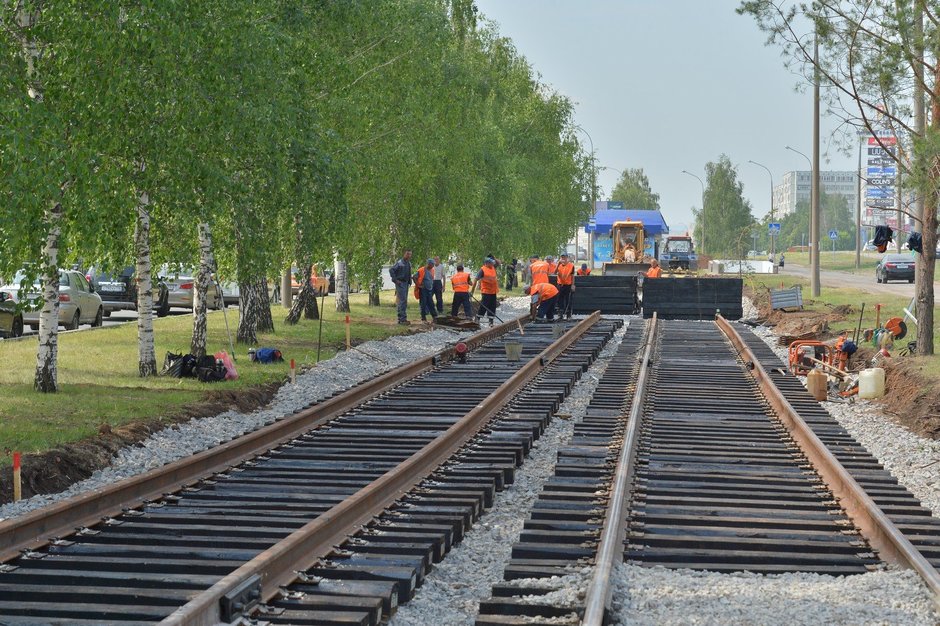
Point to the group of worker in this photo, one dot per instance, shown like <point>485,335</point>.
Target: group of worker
<point>428,288</point>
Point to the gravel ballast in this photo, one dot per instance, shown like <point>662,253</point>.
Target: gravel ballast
<point>322,381</point>
<point>451,593</point>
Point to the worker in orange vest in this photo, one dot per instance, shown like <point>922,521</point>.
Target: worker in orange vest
<point>584,270</point>
<point>552,266</point>
<point>565,272</point>
<point>539,270</point>
<point>545,295</point>
<point>654,271</point>
<point>489,286</point>
<point>424,290</point>
<point>461,284</point>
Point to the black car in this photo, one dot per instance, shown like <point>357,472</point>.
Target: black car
<point>11,320</point>
<point>895,267</point>
<point>118,291</point>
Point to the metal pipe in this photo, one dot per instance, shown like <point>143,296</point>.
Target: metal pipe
<point>773,237</point>
<point>702,246</point>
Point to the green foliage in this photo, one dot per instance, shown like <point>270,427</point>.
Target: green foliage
<point>728,220</point>
<point>633,189</point>
<point>834,213</point>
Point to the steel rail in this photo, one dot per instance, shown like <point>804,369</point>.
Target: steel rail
<point>877,528</point>
<point>610,548</point>
<point>278,565</point>
<point>37,528</point>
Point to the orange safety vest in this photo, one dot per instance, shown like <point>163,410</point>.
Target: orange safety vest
<point>552,267</point>
<point>585,272</point>
<point>461,282</point>
<point>417,290</point>
<point>489,283</point>
<point>565,273</point>
<point>654,272</point>
<point>539,270</point>
<point>544,291</point>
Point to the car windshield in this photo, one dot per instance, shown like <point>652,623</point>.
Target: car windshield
<point>37,282</point>
<point>681,245</point>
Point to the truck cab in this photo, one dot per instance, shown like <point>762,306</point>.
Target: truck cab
<point>678,253</point>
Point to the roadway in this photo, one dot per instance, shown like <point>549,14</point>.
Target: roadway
<point>863,282</point>
<point>116,319</point>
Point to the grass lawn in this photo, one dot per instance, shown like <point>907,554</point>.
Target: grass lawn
<point>891,306</point>
<point>98,371</point>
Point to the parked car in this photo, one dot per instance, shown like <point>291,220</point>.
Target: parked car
<point>895,267</point>
<point>11,320</point>
<point>118,291</point>
<point>321,284</point>
<point>180,282</point>
<point>78,302</point>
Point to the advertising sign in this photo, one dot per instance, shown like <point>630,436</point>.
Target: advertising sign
<point>603,249</point>
<point>880,174</point>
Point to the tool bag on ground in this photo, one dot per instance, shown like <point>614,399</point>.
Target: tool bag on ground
<point>210,370</point>
<point>172,365</point>
<point>267,355</point>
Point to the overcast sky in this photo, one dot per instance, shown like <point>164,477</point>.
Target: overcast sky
<point>669,85</point>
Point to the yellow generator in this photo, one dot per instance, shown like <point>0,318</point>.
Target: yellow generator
<point>628,246</point>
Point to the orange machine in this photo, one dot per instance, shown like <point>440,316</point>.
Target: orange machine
<point>801,353</point>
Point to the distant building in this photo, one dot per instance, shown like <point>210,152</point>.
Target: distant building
<point>795,187</point>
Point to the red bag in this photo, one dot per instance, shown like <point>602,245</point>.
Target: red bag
<point>230,373</point>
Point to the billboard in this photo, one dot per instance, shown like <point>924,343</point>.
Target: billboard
<point>880,175</point>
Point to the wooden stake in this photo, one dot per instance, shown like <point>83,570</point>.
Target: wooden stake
<point>293,372</point>
<point>17,481</point>
<point>348,343</point>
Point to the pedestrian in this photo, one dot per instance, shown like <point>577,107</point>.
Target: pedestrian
<point>401,277</point>
<point>584,270</point>
<point>770,257</point>
<point>511,269</point>
<point>781,259</point>
<point>489,287</point>
<point>460,282</point>
<point>654,271</point>
<point>538,269</point>
<point>439,285</point>
<point>424,290</point>
<point>565,273</point>
<point>545,295</point>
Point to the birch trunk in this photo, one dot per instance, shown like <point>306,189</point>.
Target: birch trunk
<point>248,317</point>
<point>47,375</point>
<point>197,345</point>
<point>306,300</point>
<point>265,320</point>
<point>146,353</point>
<point>342,284</point>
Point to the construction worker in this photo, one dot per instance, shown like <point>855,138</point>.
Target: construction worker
<point>551,264</point>
<point>584,270</point>
<point>461,285</point>
<point>439,285</point>
<point>546,296</point>
<point>629,254</point>
<point>539,270</point>
<point>565,273</point>
<point>489,287</point>
<point>401,274</point>
<point>424,290</point>
<point>654,271</point>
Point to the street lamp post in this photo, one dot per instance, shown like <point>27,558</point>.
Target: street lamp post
<point>590,236</point>
<point>773,238</point>
<point>702,250</point>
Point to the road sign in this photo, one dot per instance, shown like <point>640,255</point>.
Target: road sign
<point>833,234</point>
<point>773,228</point>
<point>615,204</point>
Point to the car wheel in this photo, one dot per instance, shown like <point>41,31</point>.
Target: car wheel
<point>910,280</point>
<point>17,330</point>
<point>99,319</point>
<point>75,323</point>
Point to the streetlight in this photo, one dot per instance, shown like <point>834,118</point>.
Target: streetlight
<point>810,163</point>
<point>773,239</point>
<point>702,250</point>
<point>590,236</point>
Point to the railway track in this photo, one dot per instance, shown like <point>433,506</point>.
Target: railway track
<point>332,516</point>
<point>717,460</point>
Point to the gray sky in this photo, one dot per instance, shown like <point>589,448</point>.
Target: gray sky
<point>669,85</point>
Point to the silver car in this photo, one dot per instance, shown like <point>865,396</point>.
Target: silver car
<point>78,302</point>
<point>181,285</point>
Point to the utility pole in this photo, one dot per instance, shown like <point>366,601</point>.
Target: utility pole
<point>814,210</point>
<point>590,236</point>
<point>773,236</point>
<point>899,200</point>
<point>858,208</point>
<point>702,242</point>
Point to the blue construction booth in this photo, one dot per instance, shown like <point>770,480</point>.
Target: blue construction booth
<point>608,212</point>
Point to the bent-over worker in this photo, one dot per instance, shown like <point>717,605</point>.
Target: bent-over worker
<point>461,284</point>
<point>546,296</point>
<point>584,270</point>
<point>489,287</point>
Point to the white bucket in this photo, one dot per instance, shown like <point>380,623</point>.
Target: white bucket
<point>513,350</point>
